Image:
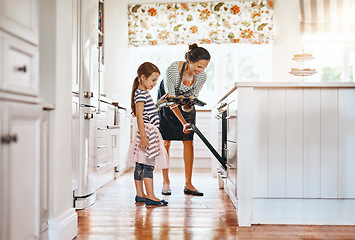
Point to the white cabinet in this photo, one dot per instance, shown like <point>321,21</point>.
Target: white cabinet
<point>20,18</point>
<point>23,206</point>
<point>295,152</point>
<point>106,152</point>
<point>20,170</point>
<point>106,136</point>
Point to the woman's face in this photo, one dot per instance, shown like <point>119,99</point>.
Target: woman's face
<point>199,66</point>
<point>151,81</point>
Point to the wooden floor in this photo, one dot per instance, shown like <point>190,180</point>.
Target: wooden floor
<point>115,215</point>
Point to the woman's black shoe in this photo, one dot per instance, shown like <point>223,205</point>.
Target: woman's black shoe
<point>191,192</point>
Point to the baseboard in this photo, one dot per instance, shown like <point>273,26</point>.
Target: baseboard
<point>304,211</point>
<point>64,227</point>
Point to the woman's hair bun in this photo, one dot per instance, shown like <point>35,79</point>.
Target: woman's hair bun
<point>192,46</point>
<point>197,53</point>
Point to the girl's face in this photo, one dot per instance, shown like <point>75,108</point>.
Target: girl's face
<point>149,82</point>
<point>198,67</point>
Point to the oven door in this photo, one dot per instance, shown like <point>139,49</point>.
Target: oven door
<point>231,141</point>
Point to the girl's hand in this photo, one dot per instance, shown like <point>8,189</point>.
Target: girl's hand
<point>185,127</point>
<point>143,143</point>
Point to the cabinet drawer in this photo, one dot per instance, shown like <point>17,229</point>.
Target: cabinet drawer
<point>20,66</point>
<point>20,17</point>
<point>102,145</point>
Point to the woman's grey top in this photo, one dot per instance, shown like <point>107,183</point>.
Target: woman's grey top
<point>172,80</point>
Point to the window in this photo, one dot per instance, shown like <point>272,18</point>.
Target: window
<point>230,63</point>
<point>334,59</point>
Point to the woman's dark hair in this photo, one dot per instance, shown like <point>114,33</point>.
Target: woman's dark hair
<point>145,69</point>
<point>197,53</point>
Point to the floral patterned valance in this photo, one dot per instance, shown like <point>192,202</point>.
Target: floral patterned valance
<point>203,23</point>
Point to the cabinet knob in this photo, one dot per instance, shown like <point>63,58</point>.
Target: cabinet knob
<point>5,139</point>
<point>88,94</point>
<point>9,138</point>
<point>22,69</point>
<point>13,138</point>
<point>88,116</point>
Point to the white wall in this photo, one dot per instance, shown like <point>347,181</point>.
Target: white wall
<point>55,81</point>
<point>287,40</point>
<point>117,83</point>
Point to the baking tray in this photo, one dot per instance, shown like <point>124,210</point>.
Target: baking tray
<point>185,101</point>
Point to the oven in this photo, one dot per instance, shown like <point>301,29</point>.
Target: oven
<point>228,120</point>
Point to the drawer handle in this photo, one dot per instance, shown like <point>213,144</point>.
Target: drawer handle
<point>113,126</point>
<point>98,166</point>
<point>22,69</point>
<point>101,147</point>
<point>101,128</point>
<point>231,117</point>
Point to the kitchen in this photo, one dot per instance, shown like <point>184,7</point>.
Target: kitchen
<point>49,45</point>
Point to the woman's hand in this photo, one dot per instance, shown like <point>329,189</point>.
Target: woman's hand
<point>186,127</point>
<point>143,143</point>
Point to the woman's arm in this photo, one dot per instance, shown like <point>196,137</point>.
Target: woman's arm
<point>178,114</point>
<point>144,142</point>
<point>202,78</point>
<point>171,80</point>
<point>171,77</point>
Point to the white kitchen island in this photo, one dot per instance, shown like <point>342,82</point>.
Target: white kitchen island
<point>295,160</point>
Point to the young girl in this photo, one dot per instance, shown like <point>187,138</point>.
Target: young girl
<point>147,148</point>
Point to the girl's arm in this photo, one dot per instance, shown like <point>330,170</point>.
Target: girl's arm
<point>144,142</point>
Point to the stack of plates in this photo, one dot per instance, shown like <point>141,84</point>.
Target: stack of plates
<point>303,72</point>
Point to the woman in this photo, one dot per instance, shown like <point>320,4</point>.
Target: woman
<point>182,79</point>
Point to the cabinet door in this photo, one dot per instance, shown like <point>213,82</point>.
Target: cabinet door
<point>20,17</point>
<point>75,141</point>
<point>89,68</point>
<point>75,46</point>
<point>20,158</point>
<point>44,173</point>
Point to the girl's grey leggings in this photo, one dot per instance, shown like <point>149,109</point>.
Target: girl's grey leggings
<point>143,171</point>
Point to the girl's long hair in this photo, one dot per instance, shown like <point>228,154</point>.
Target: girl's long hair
<point>145,69</point>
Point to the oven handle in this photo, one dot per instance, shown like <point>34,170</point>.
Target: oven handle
<point>218,115</point>
<point>220,159</point>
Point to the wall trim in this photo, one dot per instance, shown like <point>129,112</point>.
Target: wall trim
<point>304,211</point>
<point>64,227</point>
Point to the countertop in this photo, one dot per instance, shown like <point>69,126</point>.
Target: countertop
<point>288,85</point>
